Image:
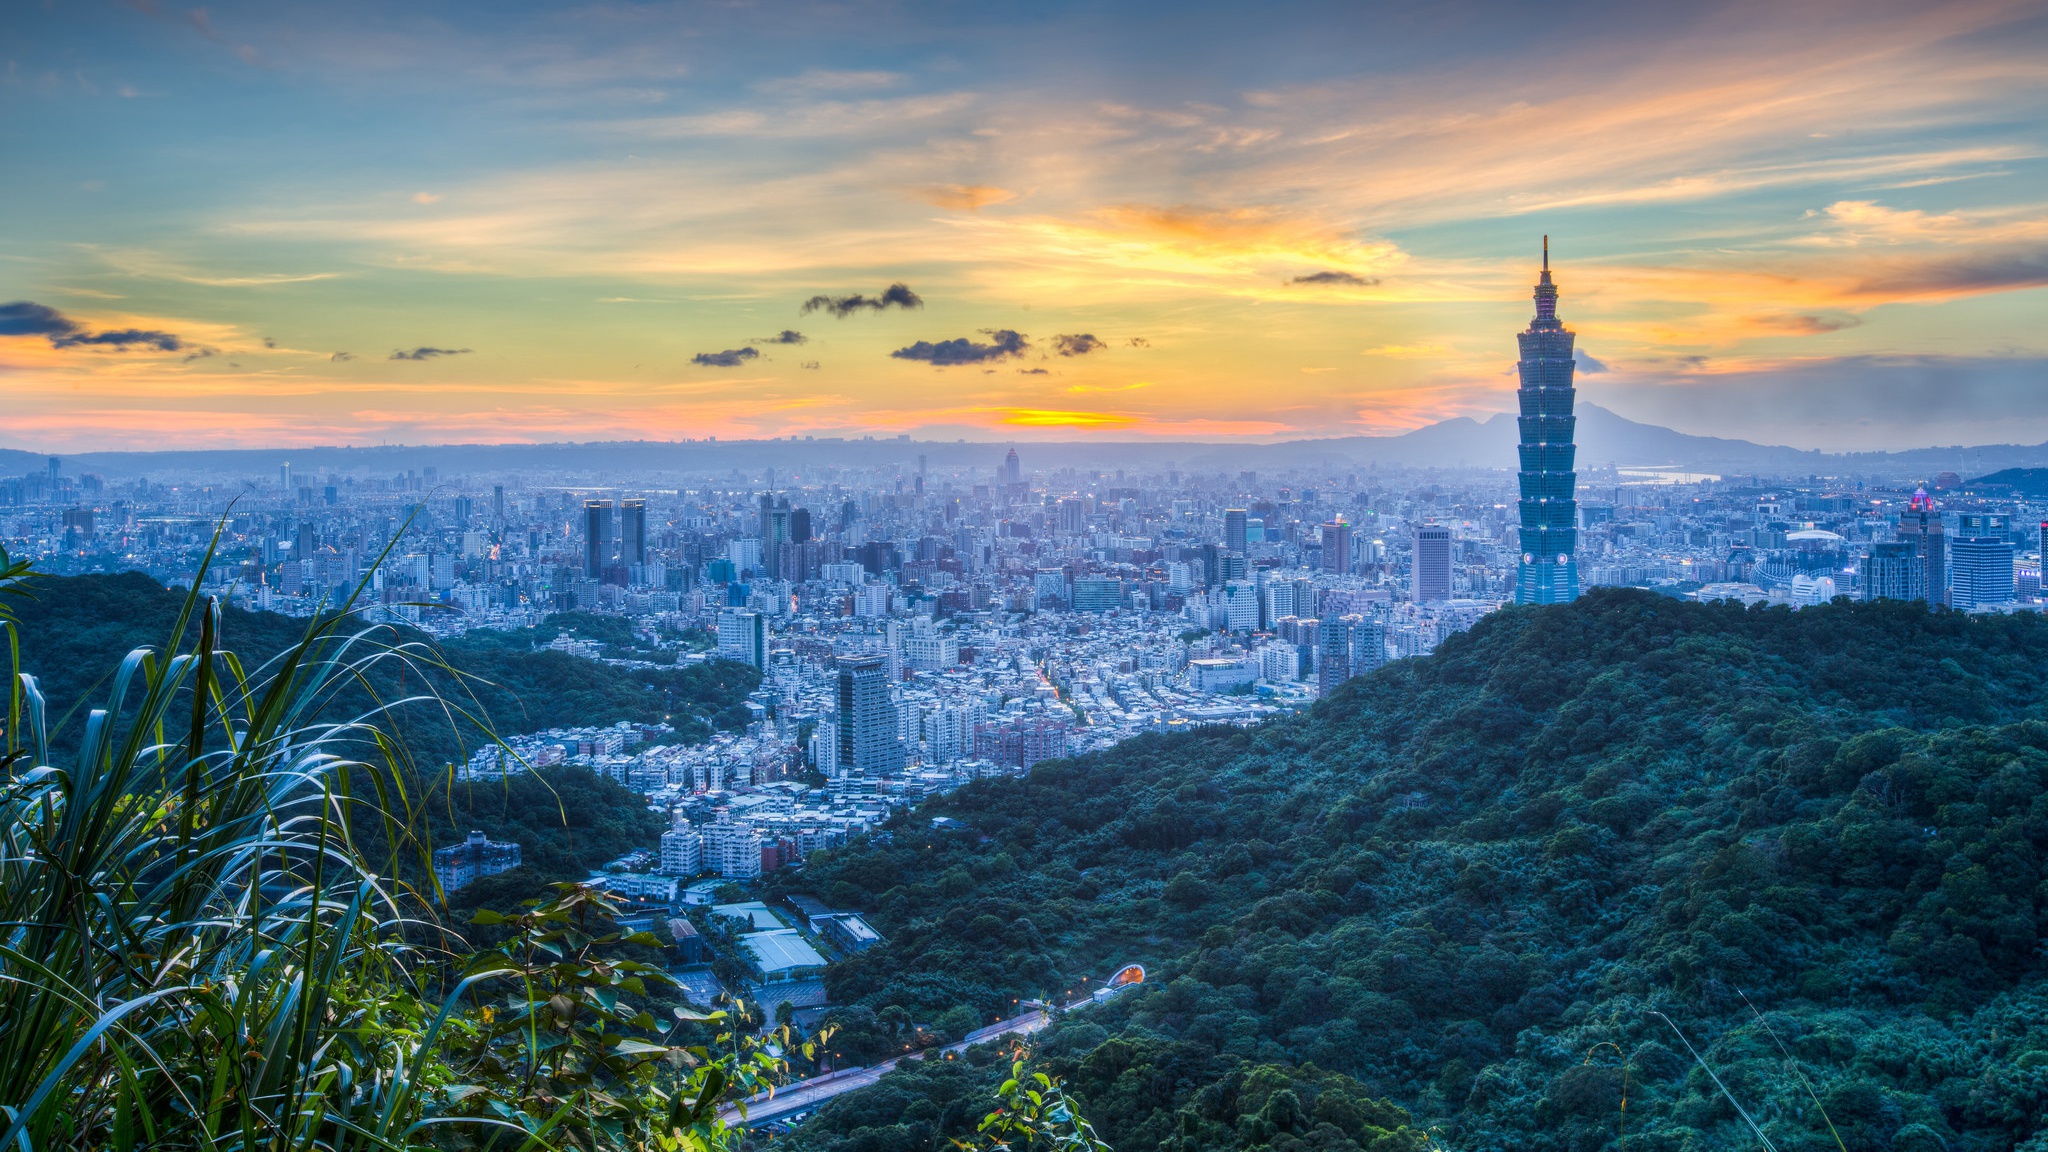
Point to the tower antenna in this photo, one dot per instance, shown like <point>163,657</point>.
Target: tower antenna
<point>1546,252</point>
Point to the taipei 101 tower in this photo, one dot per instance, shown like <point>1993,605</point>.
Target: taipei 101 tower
<point>1548,573</point>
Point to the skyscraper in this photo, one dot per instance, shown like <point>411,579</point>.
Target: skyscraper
<point>1891,571</point>
<point>1549,508</point>
<point>632,531</point>
<point>1234,529</point>
<point>597,537</point>
<point>1920,525</point>
<point>1430,566</point>
<point>867,718</point>
<point>1013,472</point>
<point>1337,547</point>
<point>498,505</point>
<point>1981,556</point>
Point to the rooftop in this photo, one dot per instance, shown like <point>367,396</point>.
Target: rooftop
<point>782,950</point>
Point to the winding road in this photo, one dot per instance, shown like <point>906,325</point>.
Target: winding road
<point>805,1095</point>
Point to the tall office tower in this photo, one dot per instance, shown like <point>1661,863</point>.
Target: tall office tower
<point>597,537</point>
<point>799,525</point>
<point>1337,547</point>
<point>1430,568</point>
<point>1073,516</point>
<point>498,504</point>
<point>1891,571</point>
<point>303,543</point>
<point>775,532</point>
<point>1981,571</point>
<point>284,477</point>
<point>1013,472</point>
<point>632,531</point>
<point>1212,565</point>
<point>868,744</point>
<point>1548,573</point>
<point>1234,530</point>
<point>1920,525</point>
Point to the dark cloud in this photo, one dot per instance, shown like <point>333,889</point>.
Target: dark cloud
<point>730,358</point>
<point>1344,278</point>
<point>1080,345</point>
<point>1003,344</point>
<point>268,342</point>
<point>342,357</point>
<point>1140,342</point>
<point>1587,364</point>
<point>1033,372</point>
<point>786,336</point>
<point>198,354</point>
<point>811,364</point>
<point>1994,271</point>
<point>25,318</point>
<point>1807,325</point>
<point>894,296</point>
<point>427,353</point>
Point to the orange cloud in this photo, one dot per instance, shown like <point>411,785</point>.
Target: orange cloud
<point>965,197</point>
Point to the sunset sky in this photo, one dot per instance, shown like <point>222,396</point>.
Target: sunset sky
<point>1823,225</point>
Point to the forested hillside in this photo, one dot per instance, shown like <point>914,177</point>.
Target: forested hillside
<point>75,632</point>
<point>1470,884</point>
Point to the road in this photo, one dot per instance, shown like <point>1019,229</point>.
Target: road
<point>805,1095</point>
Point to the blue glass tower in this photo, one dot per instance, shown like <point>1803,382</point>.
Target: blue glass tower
<point>1548,573</point>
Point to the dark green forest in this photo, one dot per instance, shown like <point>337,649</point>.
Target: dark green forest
<point>76,630</point>
<point>1502,888</point>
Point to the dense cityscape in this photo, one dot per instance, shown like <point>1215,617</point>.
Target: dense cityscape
<point>914,628</point>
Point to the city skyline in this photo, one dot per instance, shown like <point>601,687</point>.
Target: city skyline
<point>281,225</point>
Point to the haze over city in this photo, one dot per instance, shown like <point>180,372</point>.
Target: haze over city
<point>272,225</point>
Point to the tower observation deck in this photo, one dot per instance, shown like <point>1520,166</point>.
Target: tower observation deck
<point>1549,507</point>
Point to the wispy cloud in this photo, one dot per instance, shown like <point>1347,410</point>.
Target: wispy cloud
<point>424,353</point>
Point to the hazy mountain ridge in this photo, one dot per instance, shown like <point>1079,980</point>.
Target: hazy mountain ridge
<point>1605,438</point>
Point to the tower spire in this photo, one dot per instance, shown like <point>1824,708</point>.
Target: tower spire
<point>1546,251</point>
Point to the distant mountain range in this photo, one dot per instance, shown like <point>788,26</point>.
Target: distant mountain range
<point>1604,439</point>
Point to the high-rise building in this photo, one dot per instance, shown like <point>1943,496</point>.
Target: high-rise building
<point>1234,529</point>
<point>1981,571</point>
<point>743,636</point>
<point>682,848</point>
<point>1548,574</point>
<point>1013,472</point>
<point>597,537</point>
<point>1098,594</point>
<point>868,743</point>
<point>1920,525</point>
<point>304,542</point>
<point>498,504</point>
<point>632,531</point>
<point>1430,567</point>
<point>1891,571</point>
<point>1073,516</point>
<point>1333,650</point>
<point>1368,644</point>
<point>284,477</point>
<point>1337,547</point>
